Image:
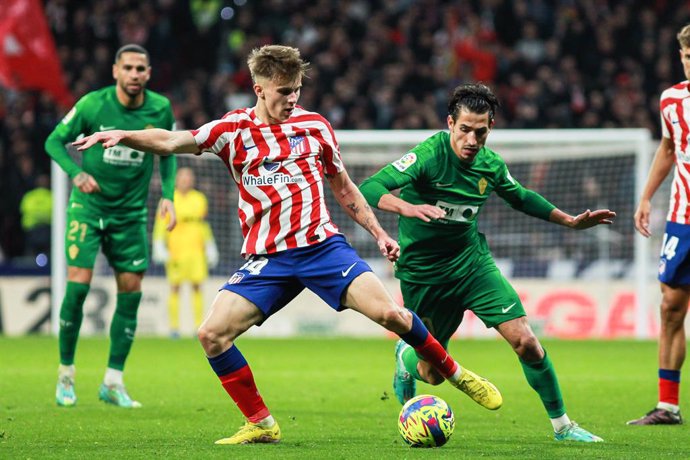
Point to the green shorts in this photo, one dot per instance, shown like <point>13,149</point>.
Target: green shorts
<point>123,239</point>
<point>441,306</point>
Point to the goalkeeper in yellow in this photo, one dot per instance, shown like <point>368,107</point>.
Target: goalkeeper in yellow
<point>188,250</point>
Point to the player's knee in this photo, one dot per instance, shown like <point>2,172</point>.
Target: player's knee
<point>210,339</point>
<point>529,348</point>
<point>393,319</point>
<point>673,312</point>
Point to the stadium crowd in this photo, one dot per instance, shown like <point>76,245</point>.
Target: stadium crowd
<point>382,64</point>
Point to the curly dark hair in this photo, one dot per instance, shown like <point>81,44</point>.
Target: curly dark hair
<point>475,97</point>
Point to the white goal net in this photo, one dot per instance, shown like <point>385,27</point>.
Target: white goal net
<point>575,169</point>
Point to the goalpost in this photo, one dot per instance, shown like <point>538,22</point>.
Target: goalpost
<point>574,169</point>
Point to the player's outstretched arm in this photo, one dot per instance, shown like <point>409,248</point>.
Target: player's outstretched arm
<point>351,199</point>
<point>582,221</point>
<point>158,141</point>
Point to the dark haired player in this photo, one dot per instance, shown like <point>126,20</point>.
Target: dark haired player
<point>445,266</point>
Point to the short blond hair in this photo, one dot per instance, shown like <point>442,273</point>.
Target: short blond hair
<point>277,62</point>
<point>684,36</point>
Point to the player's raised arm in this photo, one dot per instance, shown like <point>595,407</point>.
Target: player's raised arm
<point>158,141</point>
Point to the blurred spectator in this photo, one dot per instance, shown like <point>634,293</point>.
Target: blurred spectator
<point>36,207</point>
<point>377,64</point>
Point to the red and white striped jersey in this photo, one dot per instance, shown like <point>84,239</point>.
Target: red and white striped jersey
<point>675,125</point>
<point>279,170</point>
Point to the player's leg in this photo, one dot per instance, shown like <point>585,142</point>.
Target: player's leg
<point>438,308</point>
<point>258,289</point>
<point>82,243</point>
<point>674,307</point>
<point>230,316</point>
<point>174,271</point>
<point>197,304</point>
<point>674,275</point>
<point>174,310</point>
<point>541,376</point>
<point>126,248</point>
<point>197,275</point>
<point>335,272</point>
<point>122,331</point>
<point>367,295</point>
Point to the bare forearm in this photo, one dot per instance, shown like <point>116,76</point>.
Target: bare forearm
<point>352,200</point>
<point>561,218</point>
<point>160,141</point>
<point>392,203</point>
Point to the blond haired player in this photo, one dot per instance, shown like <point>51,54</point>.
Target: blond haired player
<point>281,156</point>
<point>188,250</point>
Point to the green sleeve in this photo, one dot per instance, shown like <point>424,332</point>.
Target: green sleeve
<point>521,198</point>
<point>534,204</point>
<point>168,168</point>
<point>381,183</point>
<point>168,165</point>
<point>71,126</point>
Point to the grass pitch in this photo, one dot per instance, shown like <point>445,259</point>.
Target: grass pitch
<point>332,398</point>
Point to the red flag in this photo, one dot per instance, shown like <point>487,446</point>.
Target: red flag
<point>28,58</point>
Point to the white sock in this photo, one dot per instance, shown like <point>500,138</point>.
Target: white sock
<point>268,422</point>
<point>113,377</point>
<point>456,375</point>
<point>668,406</point>
<point>559,422</point>
<point>66,371</point>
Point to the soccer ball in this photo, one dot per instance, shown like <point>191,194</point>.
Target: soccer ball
<point>426,421</point>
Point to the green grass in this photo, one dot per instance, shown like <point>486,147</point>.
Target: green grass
<point>332,398</point>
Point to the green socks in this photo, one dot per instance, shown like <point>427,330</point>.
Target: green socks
<point>122,328</point>
<point>542,377</point>
<point>71,315</point>
<point>410,358</point>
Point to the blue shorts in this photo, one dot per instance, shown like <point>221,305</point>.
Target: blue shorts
<point>271,281</point>
<point>674,261</point>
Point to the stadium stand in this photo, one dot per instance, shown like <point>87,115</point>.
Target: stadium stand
<point>376,65</point>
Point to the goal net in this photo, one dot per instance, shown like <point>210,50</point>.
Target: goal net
<point>573,283</point>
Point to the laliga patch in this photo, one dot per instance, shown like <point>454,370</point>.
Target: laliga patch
<point>405,162</point>
<point>69,116</point>
<point>236,278</point>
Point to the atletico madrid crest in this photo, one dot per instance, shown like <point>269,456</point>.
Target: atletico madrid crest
<point>236,278</point>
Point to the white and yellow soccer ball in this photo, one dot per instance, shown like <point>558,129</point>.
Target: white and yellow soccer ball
<point>426,421</point>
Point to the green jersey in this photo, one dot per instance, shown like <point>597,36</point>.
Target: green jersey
<point>122,173</point>
<point>431,173</point>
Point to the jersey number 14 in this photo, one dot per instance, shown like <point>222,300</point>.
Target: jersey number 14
<point>668,246</point>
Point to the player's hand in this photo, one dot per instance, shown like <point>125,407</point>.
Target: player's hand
<point>107,138</point>
<point>425,212</point>
<point>160,253</point>
<point>389,248</point>
<point>86,183</point>
<point>212,256</point>
<point>592,218</point>
<point>641,218</point>
<point>167,208</point>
